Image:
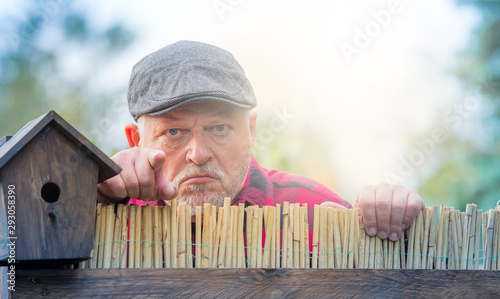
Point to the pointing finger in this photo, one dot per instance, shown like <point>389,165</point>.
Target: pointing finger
<point>163,189</point>
<point>156,159</point>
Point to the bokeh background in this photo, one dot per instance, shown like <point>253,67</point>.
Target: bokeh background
<point>350,92</point>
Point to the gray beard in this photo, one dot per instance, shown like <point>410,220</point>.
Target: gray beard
<point>199,194</point>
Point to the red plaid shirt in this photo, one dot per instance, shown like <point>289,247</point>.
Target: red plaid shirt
<point>264,187</point>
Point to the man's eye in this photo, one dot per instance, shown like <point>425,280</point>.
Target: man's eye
<point>173,132</point>
<point>220,128</point>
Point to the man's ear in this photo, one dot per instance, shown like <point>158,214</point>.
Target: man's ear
<point>132,133</point>
<point>253,126</point>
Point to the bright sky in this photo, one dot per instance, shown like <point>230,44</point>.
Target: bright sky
<point>396,84</point>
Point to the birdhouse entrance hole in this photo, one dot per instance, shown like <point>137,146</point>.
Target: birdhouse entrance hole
<point>51,192</point>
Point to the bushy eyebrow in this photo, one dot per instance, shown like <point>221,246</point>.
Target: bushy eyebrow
<point>214,116</point>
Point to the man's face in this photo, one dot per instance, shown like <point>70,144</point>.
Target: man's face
<point>208,147</point>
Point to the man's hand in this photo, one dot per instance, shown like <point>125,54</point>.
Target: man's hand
<point>141,177</point>
<point>388,209</point>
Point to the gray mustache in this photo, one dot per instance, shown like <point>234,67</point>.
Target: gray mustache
<point>193,170</point>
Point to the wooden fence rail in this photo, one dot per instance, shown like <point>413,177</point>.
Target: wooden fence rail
<point>256,283</point>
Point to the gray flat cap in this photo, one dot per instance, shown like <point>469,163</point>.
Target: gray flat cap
<point>184,72</point>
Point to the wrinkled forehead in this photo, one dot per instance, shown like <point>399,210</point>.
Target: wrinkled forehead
<point>207,109</point>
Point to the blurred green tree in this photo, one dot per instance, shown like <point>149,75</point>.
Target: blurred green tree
<point>469,167</point>
<point>48,61</point>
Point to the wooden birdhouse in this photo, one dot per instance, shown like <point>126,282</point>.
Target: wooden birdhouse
<point>48,187</point>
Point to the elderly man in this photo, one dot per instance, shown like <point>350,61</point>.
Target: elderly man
<point>194,136</point>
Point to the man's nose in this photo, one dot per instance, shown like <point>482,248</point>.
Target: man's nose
<point>198,151</point>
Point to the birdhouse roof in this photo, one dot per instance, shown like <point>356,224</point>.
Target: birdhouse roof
<point>107,168</point>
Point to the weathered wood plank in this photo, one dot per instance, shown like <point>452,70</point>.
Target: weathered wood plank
<point>248,283</point>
